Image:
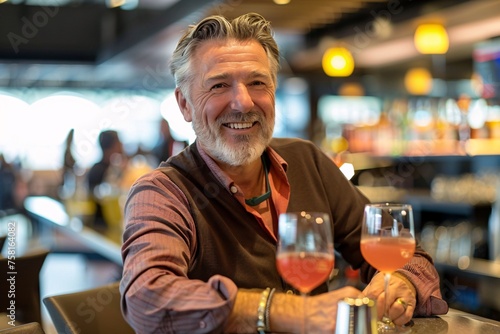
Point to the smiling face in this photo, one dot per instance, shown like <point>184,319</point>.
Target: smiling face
<point>231,100</point>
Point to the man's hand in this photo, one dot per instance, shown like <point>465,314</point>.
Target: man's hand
<point>401,301</point>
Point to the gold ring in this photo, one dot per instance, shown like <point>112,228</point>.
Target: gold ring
<point>402,302</point>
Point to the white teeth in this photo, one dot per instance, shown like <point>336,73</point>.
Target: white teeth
<point>239,125</point>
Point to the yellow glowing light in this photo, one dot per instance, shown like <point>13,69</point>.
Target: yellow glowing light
<point>351,89</point>
<point>418,81</point>
<point>116,3</point>
<point>338,62</point>
<point>123,4</point>
<point>431,38</point>
<point>282,2</point>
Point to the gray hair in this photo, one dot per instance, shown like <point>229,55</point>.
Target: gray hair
<point>251,26</point>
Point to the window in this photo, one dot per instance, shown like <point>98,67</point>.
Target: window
<point>34,125</point>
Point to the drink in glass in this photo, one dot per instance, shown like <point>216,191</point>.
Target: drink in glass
<point>305,256</point>
<point>388,243</point>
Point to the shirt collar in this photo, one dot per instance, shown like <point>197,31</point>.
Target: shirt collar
<point>276,160</point>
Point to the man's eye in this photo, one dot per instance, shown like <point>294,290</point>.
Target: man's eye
<point>217,86</point>
<point>257,83</point>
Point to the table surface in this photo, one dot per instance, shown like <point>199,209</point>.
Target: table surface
<point>108,243</point>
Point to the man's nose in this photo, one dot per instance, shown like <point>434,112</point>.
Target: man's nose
<point>241,99</point>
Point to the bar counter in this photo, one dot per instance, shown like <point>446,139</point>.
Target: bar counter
<point>455,322</point>
<point>107,243</point>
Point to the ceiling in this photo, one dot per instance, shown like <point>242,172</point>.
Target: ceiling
<point>83,43</point>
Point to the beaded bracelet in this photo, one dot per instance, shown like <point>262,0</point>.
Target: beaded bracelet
<point>263,316</point>
<point>261,311</point>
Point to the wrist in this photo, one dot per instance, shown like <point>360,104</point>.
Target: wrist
<point>407,281</point>
<point>286,313</point>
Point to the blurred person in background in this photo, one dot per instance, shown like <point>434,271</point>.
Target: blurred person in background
<point>7,184</point>
<point>167,145</point>
<point>13,187</point>
<point>68,178</point>
<point>107,172</point>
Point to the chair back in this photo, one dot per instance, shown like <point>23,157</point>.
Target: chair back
<point>92,311</point>
<point>29,328</point>
<point>20,284</point>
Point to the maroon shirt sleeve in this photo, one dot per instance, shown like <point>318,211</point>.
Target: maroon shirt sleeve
<point>159,243</point>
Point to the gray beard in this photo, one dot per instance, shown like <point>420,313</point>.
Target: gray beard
<point>248,149</point>
<point>246,153</point>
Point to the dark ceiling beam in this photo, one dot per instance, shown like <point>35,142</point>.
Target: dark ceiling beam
<point>137,32</point>
<point>50,34</point>
<point>395,11</point>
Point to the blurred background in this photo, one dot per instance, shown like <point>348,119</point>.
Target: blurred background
<point>407,93</point>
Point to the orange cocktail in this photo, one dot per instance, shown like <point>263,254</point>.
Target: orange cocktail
<point>305,271</point>
<point>387,254</point>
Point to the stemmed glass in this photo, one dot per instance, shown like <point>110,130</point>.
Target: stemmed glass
<point>388,243</point>
<point>305,256</point>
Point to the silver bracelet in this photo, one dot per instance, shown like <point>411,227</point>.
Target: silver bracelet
<point>261,311</point>
<point>267,313</point>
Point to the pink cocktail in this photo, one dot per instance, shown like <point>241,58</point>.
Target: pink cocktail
<point>387,254</point>
<point>305,271</point>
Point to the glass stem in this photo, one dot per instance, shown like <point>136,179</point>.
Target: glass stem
<point>387,278</point>
<point>303,330</point>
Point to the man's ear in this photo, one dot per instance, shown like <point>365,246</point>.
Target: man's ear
<point>183,105</point>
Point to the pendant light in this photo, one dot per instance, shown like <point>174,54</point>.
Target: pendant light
<point>431,38</point>
<point>418,81</point>
<point>338,62</point>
